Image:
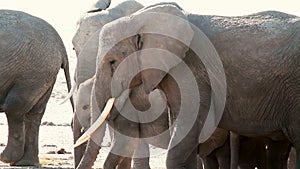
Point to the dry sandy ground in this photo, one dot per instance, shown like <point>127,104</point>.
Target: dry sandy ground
<point>59,135</point>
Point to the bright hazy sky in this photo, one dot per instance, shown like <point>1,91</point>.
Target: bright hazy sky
<point>63,14</point>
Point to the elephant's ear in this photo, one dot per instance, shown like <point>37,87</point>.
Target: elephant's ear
<point>166,32</point>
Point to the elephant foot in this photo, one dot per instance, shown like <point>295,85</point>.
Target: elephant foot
<point>141,163</point>
<point>27,162</point>
<point>10,156</point>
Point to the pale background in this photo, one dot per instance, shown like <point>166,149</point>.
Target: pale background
<point>63,15</point>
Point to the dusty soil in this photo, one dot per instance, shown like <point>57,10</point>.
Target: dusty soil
<point>56,133</point>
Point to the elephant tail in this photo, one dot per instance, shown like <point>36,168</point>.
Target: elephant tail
<point>65,66</point>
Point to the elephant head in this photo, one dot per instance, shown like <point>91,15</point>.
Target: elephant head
<point>133,36</point>
<point>89,23</point>
<point>100,5</point>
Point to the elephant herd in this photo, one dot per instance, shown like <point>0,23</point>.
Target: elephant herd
<point>215,91</point>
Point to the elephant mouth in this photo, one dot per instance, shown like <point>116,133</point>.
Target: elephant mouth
<point>87,135</point>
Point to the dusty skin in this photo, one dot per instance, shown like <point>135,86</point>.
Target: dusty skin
<point>56,133</point>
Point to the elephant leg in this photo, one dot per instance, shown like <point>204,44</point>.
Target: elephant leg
<point>191,162</point>
<point>223,156</point>
<point>292,159</point>
<point>141,156</point>
<point>32,125</point>
<point>278,153</point>
<point>210,162</point>
<point>183,145</point>
<point>125,163</point>
<point>112,161</point>
<point>298,159</point>
<point>16,138</point>
<point>199,163</point>
<point>16,104</point>
<point>122,136</point>
<point>234,149</point>
<point>188,124</point>
<point>179,157</point>
<point>292,132</point>
<point>78,151</point>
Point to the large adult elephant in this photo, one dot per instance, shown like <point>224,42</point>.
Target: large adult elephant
<point>260,57</point>
<point>32,53</point>
<point>86,42</point>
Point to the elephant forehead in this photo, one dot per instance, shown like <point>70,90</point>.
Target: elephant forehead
<point>123,28</point>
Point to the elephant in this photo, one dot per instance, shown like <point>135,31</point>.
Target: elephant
<point>85,42</point>
<point>215,151</point>
<point>258,55</point>
<point>92,22</point>
<point>32,53</point>
<point>292,159</point>
<point>100,5</point>
<point>261,152</point>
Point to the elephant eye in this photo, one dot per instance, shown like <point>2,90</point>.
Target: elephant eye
<point>138,42</point>
<point>113,61</point>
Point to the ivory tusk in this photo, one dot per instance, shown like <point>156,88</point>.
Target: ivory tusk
<point>97,123</point>
<point>70,94</point>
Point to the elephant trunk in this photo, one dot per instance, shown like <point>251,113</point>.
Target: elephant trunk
<point>92,148</point>
<point>90,155</point>
<point>78,151</point>
<point>112,161</point>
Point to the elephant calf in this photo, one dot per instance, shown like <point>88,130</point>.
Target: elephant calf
<point>261,152</point>
<point>31,55</point>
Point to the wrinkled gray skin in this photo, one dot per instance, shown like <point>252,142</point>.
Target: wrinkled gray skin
<point>260,56</point>
<point>85,43</point>
<point>31,55</point>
